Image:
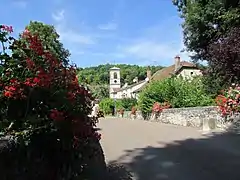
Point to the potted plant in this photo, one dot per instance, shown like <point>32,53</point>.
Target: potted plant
<point>121,112</point>
<point>134,112</point>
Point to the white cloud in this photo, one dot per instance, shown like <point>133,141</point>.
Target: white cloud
<point>108,26</point>
<point>67,34</point>
<point>20,4</point>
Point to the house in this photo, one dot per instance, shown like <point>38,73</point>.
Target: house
<point>127,91</point>
<point>184,69</point>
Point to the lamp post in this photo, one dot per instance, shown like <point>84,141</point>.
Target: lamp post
<point>114,106</point>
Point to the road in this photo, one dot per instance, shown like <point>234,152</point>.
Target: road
<point>141,150</point>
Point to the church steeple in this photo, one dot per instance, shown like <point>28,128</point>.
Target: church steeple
<point>114,82</point>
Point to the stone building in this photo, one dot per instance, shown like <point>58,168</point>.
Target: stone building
<point>184,69</point>
<point>126,91</point>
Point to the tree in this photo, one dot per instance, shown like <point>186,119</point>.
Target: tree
<point>43,114</point>
<point>225,56</point>
<point>99,75</point>
<point>205,21</point>
<point>211,31</point>
<point>50,40</point>
<point>176,91</point>
<point>100,91</point>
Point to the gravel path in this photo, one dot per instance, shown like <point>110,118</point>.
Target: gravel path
<point>141,150</point>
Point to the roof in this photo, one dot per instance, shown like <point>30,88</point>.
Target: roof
<point>114,68</point>
<point>130,86</point>
<point>170,70</point>
<point>140,88</point>
<point>163,73</point>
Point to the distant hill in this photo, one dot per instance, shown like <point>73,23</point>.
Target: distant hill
<point>99,75</point>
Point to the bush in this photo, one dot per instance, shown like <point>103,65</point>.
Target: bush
<point>44,109</point>
<point>178,92</point>
<point>213,83</point>
<point>107,104</point>
<point>229,101</point>
<point>128,103</point>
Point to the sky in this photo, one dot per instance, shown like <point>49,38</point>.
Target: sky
<point>142,32</point>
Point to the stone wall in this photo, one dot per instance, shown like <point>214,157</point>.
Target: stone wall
<point>193,117</point>
<point>205,118</point>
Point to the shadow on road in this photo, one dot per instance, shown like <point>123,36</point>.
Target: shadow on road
<point>118,172</point>
<point>214,157</point>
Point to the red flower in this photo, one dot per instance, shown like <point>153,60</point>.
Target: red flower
<point>220,100</point>
<point>36,80</point>
<point>6,28</point>
<point>8,94</point>
<point>28,82</point>
<point>157,107</point>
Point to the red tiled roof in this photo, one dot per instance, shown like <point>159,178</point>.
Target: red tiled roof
<point>170,70</point>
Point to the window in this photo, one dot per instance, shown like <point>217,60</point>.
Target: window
<point>115,76</point>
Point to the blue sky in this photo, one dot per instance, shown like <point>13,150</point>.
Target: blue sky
<point>143,32</point>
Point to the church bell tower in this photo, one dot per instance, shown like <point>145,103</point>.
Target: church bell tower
<point>115,82</point>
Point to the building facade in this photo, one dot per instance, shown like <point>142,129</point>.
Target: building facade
<point>184,69</point>
<point>127,91</point>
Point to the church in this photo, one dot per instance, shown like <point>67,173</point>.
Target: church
<point>184,69</point>
<point>127,91</point>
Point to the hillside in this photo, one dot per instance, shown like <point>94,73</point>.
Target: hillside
<point>99,75</point>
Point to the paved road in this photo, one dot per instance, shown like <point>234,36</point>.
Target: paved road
<point>144,150</point>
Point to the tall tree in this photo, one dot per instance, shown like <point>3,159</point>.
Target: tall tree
<point>50,40</point>
<point>99,75</point>
<point>224,56</point>
<point>205,21</point>
<point>211,31</point>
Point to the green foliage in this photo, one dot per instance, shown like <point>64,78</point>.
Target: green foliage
<point>178,92</point>
<point>99,91</point>
<point>128,103</point>
<point>205,21</point>
<point>107,104</point>
<point>43,110</point>
<point>211,31</point>
<point>100,74</point>
<point>213,84</point>
<point>50,40</point>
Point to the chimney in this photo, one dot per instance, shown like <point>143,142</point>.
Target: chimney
<point>149,74</point>
<point>177,62</point>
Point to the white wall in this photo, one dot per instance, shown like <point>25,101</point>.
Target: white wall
<point>128,92</point>
<point>114,81</point>
<point>188,73</point>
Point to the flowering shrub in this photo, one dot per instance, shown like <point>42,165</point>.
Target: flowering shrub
<point>134,110</point>
<point>121,111</point>
<point>229,101</point>
<point>41,95</point>
<point>158,107</point>
<point>177,91</point>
